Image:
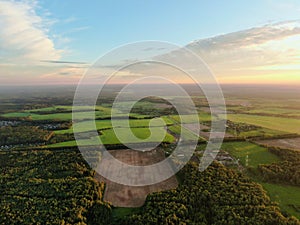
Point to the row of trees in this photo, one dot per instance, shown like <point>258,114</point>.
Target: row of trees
<point>285,171</point>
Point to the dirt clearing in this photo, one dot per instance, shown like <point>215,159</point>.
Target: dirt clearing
<point>127,196</point>
<point>289,143</point>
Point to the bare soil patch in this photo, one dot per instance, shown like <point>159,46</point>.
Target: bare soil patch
<point>289,143</point>
<point>128,196</point>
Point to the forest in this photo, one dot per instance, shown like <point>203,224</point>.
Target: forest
<point>49,187</point>
<point>14,135</point>
<point>216,196</point>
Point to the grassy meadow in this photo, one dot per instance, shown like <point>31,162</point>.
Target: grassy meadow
<point>290,125</point>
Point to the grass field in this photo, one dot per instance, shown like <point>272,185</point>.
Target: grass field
<point>287,196</point>
<point>68,115</point>
<point>274,123</point>
<point>70,107</point>
<point>256,154</point>
<point>104,124</point>
<point>275,110</point>
<point>202,117</point>
<point>109,137</point>
<point>261,132</point>
<point>186,134</point>
<point>120,212</point>
<point>58,116</point>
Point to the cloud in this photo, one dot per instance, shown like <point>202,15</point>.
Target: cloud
<point>24,34</point>
<point>71,72</point>
<point>250,37</point>
<point>62,62</point>
<point>254,54</point>
<point>70,19</point>
<point>246,52</point>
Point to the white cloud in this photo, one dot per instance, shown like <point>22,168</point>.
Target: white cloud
<point>246,55</point>
<point>24,34</point>
<point>272,44</point>
<point>247,38</point>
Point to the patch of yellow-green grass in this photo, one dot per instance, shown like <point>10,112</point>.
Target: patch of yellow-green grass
<point>121,212</point>
<point>140,135</point>
<point>274,110</point>
<point>84,112</point>
<point>256,154</point>
<point>185,134</point>
<point>262,132</point>
<point>183,118</point>
<point>287,196</point>
<point>105,124</point>
<point>58,116</point>
<point>66,107</point>
<point>158,134</point>
<point>274,123</point>
<point>202,117</point>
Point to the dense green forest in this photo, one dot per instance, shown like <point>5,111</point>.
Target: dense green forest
<point>11,135</point>
<point>49,187</point>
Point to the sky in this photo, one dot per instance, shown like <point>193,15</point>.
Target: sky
<point>55,42</point>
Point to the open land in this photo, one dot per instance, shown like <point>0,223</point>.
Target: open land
<point>127,196</point>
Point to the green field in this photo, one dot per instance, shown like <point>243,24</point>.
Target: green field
<point>261,132</point>
<point>58,116</point>
<point>104,124</point>
<point>186,133</point>
<point>275,110</point>
<point>274,123</point>
<point>68,115</point>
<point>287,196</point>
<point>109,137</point>
<point>121,212</point>
<point>69,108</point>
<point>202,117</point>
<point>256,154</point>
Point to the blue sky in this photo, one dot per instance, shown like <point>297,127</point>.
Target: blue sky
<point>103,25</point>
<point>241,41</point>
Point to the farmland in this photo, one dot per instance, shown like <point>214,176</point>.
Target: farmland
<point>126,196</point>
<point>105,124</point>
<point>39,134</point>
<point>256,154</point>
<point>289,143</point>
<point>109,137</point>
<point>275,123</point>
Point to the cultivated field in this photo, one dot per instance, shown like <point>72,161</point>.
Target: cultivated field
<point>289,143</point>
<point>105,124</point>
<point>275,123</point>
<point>126,196</point>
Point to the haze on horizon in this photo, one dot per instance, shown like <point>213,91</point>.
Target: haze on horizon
<point>45,42</point>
